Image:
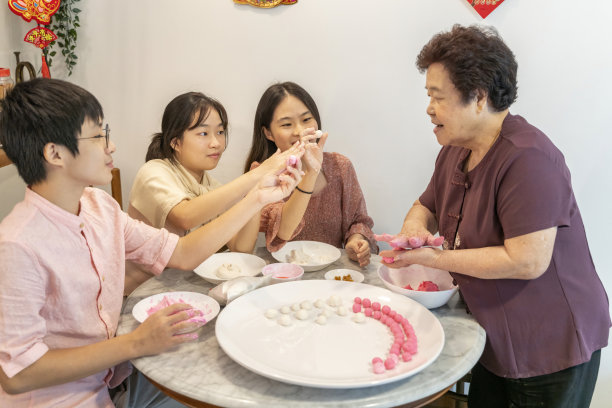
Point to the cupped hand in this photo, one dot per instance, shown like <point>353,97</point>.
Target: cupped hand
<point>278,161</point>
<point>358,250</point>
<point>313,156</point>
<point>274,187</point>
<point>160,331</point>
<point>398,258</point>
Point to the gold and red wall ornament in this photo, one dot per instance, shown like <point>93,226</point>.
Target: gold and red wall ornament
<point>265,3</point>
<point>39,10</point>
<point>40,37</point>
<point>485,7</point>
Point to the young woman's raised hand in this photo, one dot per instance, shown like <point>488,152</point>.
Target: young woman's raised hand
<point>313,156</point>
<point>277,185</point>
<point>278,161</point>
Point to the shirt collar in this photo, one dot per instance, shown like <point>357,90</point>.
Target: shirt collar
<point>52,211</point>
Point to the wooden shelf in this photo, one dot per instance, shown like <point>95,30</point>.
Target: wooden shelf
<point>4,160</point>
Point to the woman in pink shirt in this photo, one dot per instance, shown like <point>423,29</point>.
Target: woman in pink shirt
<point>328,205</point>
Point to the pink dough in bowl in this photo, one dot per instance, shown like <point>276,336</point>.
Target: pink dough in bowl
<point>283,272</point>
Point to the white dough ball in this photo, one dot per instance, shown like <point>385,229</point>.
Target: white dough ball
<point>271,313</point>
<point>359,317</point>
<point>319,304</point>
<point>301,314</point>
<point>284,320</point>
<point>295,307</point>
<point>321,320</point>
<point>285,310</point>
<point>306,305</point>
<point>342,311</point>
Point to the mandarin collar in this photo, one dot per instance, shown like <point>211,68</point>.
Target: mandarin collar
<point>54,212</point>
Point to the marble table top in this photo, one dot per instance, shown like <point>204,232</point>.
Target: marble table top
<point>202,371</point>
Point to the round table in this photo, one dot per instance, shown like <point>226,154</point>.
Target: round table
<point>199,373</point>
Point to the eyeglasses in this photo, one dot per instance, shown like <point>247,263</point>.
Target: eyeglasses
<point>106,135</point>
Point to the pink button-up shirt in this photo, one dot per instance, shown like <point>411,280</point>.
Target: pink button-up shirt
<point>61,286</point>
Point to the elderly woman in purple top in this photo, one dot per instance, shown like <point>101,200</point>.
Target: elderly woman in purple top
<point>501,195</point>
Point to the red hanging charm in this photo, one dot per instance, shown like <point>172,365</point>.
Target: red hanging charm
<point>485,7</point>
<point>40,37</point>
<point>39,10</point>
<point>44,68</point>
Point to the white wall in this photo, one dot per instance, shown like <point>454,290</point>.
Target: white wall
<point>356,57</point>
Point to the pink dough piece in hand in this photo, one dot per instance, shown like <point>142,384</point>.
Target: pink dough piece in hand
<point>388,259</point>
<point>292,161</point>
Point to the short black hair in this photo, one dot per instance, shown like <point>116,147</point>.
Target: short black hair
<point>42,111</point>
<point>476,58</point>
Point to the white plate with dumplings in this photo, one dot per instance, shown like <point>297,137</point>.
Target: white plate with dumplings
<point>224,266</point>
<point>273,331</point>
<point>310,255</point>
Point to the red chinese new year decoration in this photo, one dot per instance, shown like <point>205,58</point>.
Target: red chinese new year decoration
<point>40,37</point>
<point>39,10</point>
<point>485,7</point>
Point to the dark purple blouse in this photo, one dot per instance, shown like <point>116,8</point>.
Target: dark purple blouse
<point>522,185</point>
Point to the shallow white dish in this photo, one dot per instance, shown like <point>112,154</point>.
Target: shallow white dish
<point>326,356</point>
<point>209,306</point>
<point>413,275</point>
<point>250,265</point>
<point>355,275</point>
<point>311,255</point>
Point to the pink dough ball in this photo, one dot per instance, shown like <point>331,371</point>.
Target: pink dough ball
<point>395,348</point>
<point>368,311</point>
<point>406,356</point>
<point>398,318</point>
<point>376,306</point>
<point>386,309</point>
<point>379,368</point>
<point>392,313</point>
<point>356,308</point>
<point>390,363</point>
<point>357,300</point>
<point>376,315</point>
<point>366,302</point>
<point>376,360</point>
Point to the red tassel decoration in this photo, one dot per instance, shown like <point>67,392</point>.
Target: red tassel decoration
<point>44,68</point>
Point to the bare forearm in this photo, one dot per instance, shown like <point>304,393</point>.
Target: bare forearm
<point>189,214</point>
<point>66,365</point>
<point>524,257</point>
<point>244,240</point>
<point>294,209</point>
<point>419,217</point>
<point>198,245</point>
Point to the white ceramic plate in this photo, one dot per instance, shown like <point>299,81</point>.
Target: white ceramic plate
<point>355,275</point>
<point>209,306</point>
<point>250,265</point>
<point>335,355</point>
<point>310,255</point>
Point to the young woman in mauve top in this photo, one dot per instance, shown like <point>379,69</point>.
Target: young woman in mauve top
<point>328,204</point>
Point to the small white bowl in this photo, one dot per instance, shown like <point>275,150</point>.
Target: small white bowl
<point>207,305</point>
<point>249,265</point>
<point>310,255</point>
<point>356,276</point>
<point>413,275</point>
<point>283,272</point>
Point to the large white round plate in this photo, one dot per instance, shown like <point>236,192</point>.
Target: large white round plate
<point>310,255</point>
<point>335,355</point>
<point>250,265</point>
<point>209,306</point>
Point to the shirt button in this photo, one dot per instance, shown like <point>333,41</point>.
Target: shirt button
<point>81,226</point>
<point>103,278</point>
<point>100,306</point>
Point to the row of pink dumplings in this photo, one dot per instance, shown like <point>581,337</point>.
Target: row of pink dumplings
<point>404,339</point>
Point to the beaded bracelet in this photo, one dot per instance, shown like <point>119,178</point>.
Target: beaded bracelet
<point>302,191</point>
